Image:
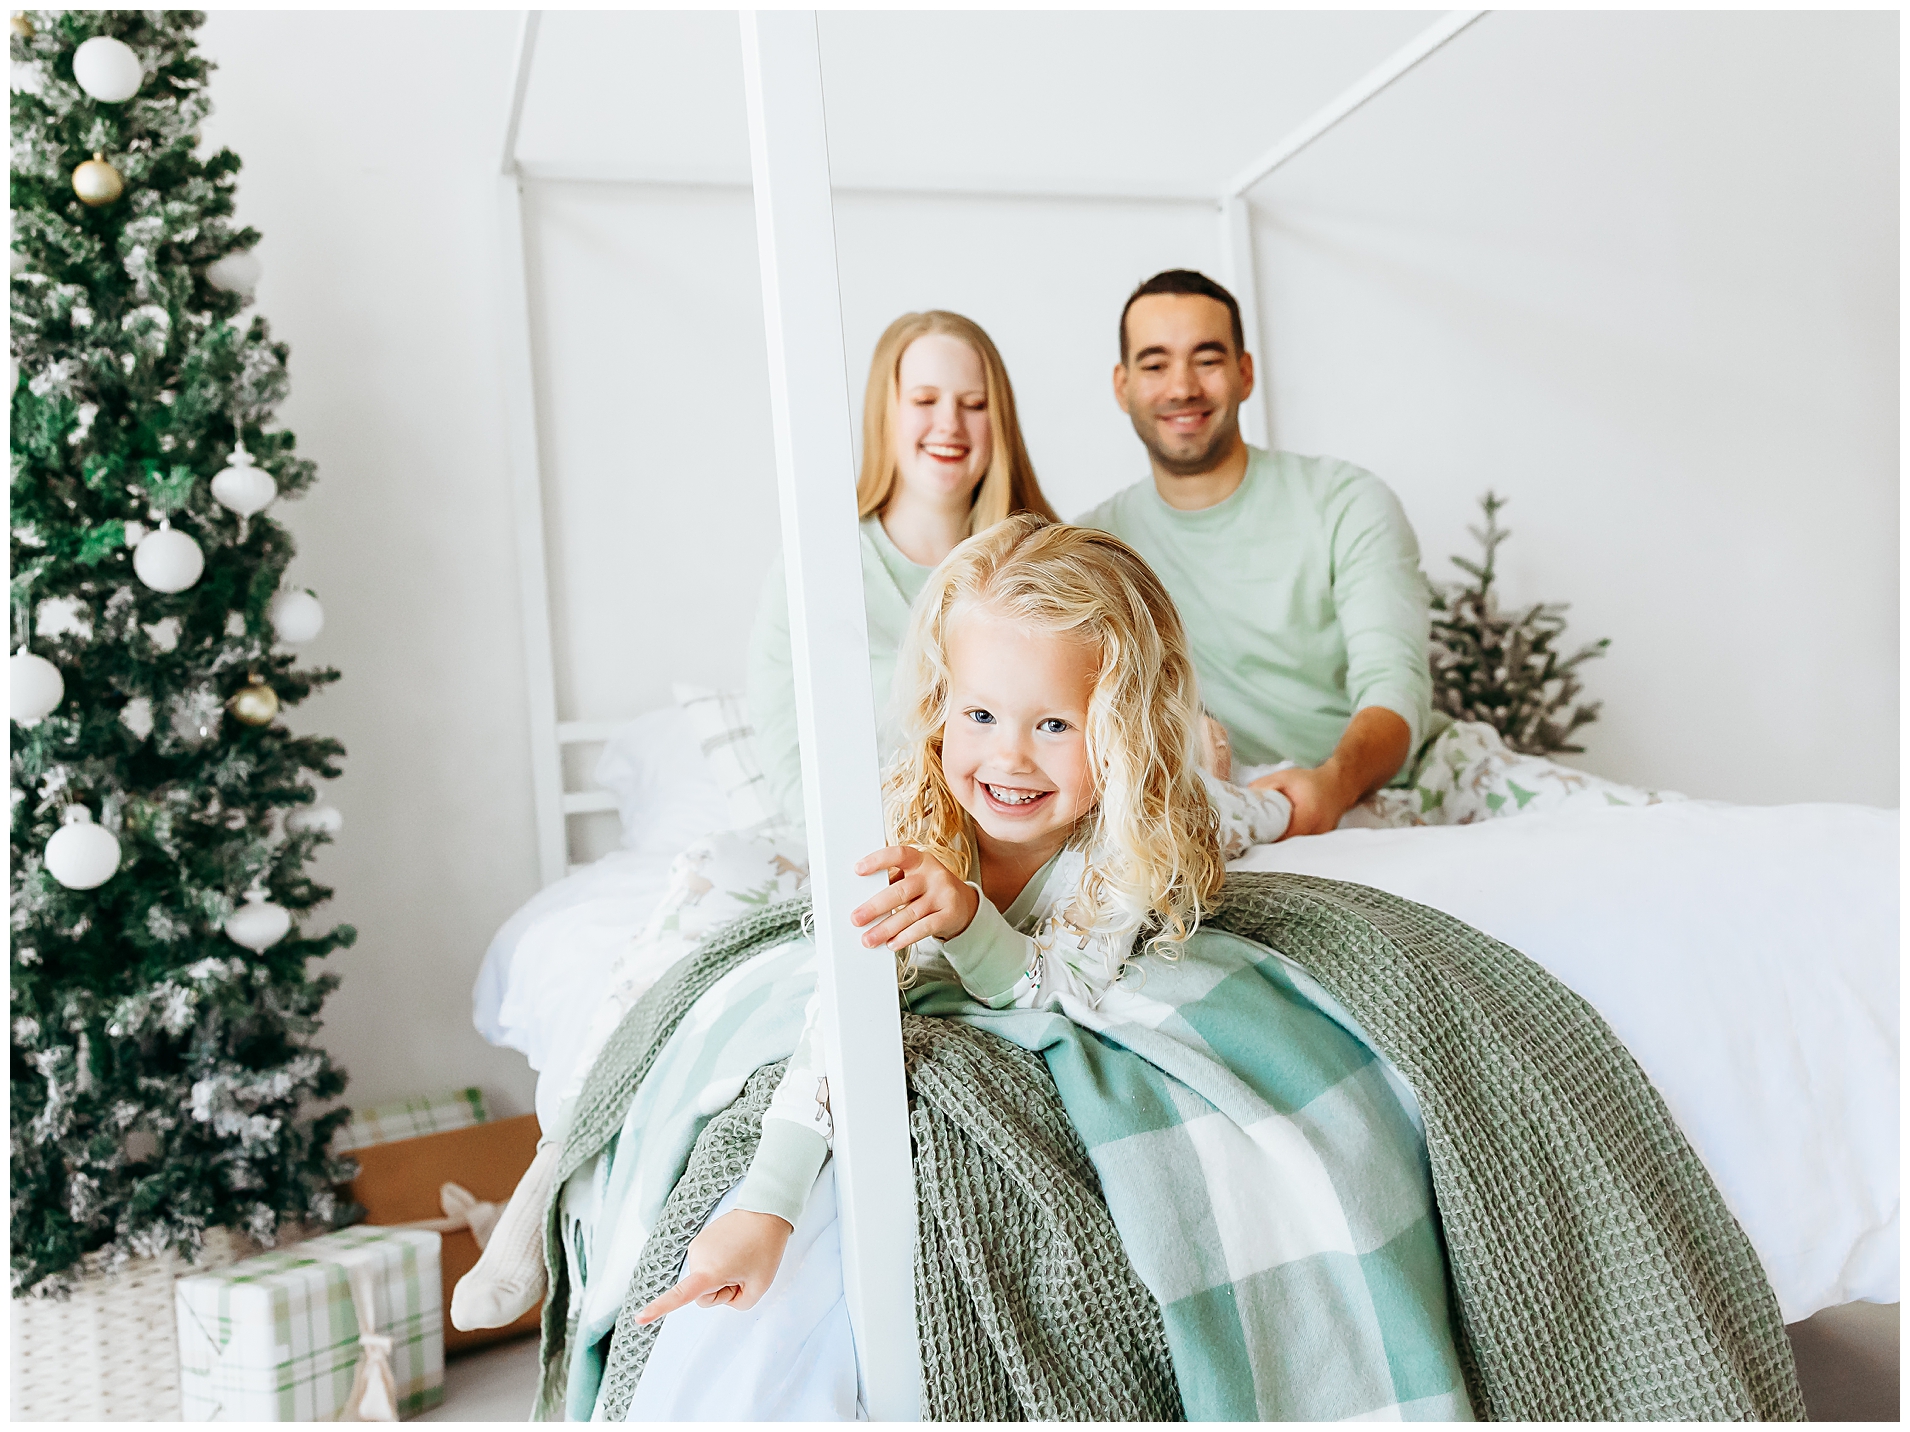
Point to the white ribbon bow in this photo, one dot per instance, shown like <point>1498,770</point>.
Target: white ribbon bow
<point>374,1391</point>
<point>463,1209</point>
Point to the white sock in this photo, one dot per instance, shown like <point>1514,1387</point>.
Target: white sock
<point>508,1280</point>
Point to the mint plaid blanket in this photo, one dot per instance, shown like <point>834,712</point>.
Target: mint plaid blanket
<point>1594,1271</point>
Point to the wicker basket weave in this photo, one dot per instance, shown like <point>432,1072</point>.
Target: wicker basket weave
<point>110,1352</point>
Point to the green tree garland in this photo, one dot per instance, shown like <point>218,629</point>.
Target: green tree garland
<point>1506,670</point>
<point>159,1069</point>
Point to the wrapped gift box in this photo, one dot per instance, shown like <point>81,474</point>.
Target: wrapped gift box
<point>275,1338</point>
<point>403,1182</point>
<point>410,1118</point>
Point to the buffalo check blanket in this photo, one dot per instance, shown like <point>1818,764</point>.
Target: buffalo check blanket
<point>1268,1176</point>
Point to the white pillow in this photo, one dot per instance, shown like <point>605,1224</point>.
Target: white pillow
<point>666,796</point>
<point>721,722</point>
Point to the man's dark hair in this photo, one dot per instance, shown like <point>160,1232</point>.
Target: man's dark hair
<point>1185,281</point>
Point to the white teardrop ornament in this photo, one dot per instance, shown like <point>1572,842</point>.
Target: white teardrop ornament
<point>258,924</point>
<point>236,273</point>
<point>168,561</point>
<point>81,855</point>
<point>296,616</point>
<point>243,488</point>
<point>34,687</point>
<point>107,69</point>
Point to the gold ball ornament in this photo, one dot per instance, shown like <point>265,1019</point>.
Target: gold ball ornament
<point>21,25</point>
<point>255,704</point>
<point>97,182</point>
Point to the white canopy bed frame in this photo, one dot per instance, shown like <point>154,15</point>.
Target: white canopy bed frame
<point>813,425</point>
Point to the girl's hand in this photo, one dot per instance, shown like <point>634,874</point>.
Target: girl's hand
<point>923,900</point>
<point>732,1261</point>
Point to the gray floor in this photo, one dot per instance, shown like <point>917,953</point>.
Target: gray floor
<point>1846,1361</point>
<point>493,1384</point>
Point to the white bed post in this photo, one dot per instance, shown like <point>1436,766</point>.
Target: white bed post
<point>527,492</point>
<point>835,709</point>
<point>1238,274</point>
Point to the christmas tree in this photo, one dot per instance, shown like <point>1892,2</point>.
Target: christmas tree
<point>163,1010</point>
<point>1506,670</point>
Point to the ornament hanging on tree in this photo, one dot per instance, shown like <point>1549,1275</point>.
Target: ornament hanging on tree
<point>81,855</point>
<point>255,703</point>
<point>243,488</point>
<point>258,924</point>
<point>21,26</point>
<point>97,182</point>
<point>236,273</point>
<point>296,616</point>
<point>107,69</point>
<point>323,818</point>
<point>34,687</point>
<point>168,561</point>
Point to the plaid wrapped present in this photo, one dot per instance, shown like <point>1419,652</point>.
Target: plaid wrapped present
<point>411,1119</point>
<point>277,1337</point>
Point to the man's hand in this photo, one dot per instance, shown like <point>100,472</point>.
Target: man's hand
<point>732,1261</point>
<point>1319,797</point>
<point>923,899</point>
<point>1375,745</point>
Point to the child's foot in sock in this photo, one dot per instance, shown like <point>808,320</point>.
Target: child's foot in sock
<point>508,1280</point>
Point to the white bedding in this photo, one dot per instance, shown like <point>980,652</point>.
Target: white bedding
<point>1746,955</point>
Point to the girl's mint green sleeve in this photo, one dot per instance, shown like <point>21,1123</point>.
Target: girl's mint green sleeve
<point>771,689</point>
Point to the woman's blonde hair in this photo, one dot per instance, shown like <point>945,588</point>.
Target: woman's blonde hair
<point>1008,486</point>
<point>1151,837</point>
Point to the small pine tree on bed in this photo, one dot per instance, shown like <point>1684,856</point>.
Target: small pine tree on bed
<point>162,1005</point>
<point>1506,670</point>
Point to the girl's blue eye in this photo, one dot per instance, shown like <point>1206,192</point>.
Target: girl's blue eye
<point>982,718</point>
<point>1053,726</point>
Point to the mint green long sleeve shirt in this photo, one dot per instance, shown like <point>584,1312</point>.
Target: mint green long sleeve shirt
<point>890,584</point>
<point>1302,597</point>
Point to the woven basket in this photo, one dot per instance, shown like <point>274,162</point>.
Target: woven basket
<point>110,1352</point>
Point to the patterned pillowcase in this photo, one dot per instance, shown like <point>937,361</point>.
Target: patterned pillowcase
<point>720,721</point>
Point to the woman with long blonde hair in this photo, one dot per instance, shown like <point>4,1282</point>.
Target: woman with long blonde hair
<point>942,459</point>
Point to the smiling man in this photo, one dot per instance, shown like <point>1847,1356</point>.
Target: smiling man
<point>1297,577</point>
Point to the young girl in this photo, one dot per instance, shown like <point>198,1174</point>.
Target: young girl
<point>1046,806</point>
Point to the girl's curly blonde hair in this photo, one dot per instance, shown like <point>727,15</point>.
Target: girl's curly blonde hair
<point>1153,852</point>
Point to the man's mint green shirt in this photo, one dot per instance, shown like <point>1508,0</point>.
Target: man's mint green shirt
<point>890,584</point>
<point>1302,597</point>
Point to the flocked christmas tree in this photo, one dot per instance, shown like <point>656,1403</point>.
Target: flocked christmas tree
<point>1506,668</point>
<point>163,1008</point>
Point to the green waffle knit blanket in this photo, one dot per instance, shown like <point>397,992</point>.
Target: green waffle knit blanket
<point>1595,1272</point>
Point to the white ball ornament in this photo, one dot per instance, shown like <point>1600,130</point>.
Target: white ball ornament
<point>327,819</point>
<point>243,488</point>
<point>34,687</point>
<point>168,561</point>
<point>108,69</point>
<point>236,273</point>
<point>296,616</point>
<point>258,924</point>
<point>81,855</point>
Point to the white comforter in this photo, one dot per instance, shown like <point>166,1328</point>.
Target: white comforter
<point>1746,955</point>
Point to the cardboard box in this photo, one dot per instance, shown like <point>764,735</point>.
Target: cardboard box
<point>399,1182</point>
<point>275,1338</point>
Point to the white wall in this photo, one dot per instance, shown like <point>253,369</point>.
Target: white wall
<point>368,139</point>
<point>1635,271</point>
